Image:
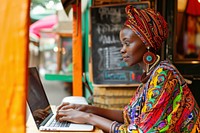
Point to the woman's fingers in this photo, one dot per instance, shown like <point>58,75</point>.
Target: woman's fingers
<point>65,118</point>
<point>78,107</point>
<point>69,118</point>
<point>71,115</point>
<point>63,104</point>
<point>66,107</point>
<point>61,113</point>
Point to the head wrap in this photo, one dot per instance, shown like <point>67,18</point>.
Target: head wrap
<point>148,24</point>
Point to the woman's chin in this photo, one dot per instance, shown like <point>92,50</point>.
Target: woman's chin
<point>129,64</point>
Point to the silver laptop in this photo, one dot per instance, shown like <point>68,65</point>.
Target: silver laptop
<point>41,109</point>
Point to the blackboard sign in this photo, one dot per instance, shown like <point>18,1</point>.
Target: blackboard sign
<point>107,64</point>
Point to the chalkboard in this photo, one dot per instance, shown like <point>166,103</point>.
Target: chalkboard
<point>107,64</point>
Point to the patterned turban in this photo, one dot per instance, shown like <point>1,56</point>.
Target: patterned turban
<point>148,24</point>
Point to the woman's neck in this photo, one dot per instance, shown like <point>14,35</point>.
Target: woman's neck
<point>142,65</point>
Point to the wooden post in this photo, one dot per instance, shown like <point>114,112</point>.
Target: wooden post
<point>13,65</point>
<point>77,50</point>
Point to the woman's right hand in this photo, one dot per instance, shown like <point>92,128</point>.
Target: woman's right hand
<point>79,107</point>
<point>67,106</point>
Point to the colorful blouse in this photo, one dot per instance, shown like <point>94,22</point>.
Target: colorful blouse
<point>163,104</point>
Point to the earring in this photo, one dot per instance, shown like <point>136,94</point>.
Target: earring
<point>149,58</point>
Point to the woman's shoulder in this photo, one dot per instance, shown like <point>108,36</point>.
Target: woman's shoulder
<point>167,65</point>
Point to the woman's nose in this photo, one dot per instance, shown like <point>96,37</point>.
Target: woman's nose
<point>122,50</point>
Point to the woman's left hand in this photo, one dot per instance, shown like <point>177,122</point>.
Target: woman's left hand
<point>72,115</point>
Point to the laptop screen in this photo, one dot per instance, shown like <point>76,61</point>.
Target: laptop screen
<point>37,99</point>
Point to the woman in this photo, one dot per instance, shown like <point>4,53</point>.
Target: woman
<point>163,101</point>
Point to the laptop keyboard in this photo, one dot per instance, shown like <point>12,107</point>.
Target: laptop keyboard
<point>55,123</point>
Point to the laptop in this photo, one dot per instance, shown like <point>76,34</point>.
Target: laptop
<point>41,110</point>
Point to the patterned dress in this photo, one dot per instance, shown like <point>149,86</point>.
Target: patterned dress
<point>163,104</point>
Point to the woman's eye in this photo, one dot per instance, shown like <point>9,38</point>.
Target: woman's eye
<point>127,43</point>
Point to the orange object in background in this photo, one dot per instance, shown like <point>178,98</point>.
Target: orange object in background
<point>13,64</point>
<point>77,50</point>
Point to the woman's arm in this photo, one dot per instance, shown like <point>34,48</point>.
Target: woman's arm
<point>115,115</point>
<point>76,116</point>
<point>100,122</point>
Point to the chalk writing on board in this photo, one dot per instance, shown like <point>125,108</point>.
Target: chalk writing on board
<point>107,63</point>
<point>107,28</point>
<point>108,39</point>
<point>108,58</point>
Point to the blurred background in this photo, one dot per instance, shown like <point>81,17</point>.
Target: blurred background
<point>50,36</point>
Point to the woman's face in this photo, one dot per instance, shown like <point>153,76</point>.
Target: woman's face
<point>133,48</point>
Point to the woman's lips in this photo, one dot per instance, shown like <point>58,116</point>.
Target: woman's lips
<point>125,59</point>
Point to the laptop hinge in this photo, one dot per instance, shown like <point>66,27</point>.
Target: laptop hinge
<point>46,119</point>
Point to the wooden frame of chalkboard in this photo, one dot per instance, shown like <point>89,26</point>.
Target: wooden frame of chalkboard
<point>106,65</point>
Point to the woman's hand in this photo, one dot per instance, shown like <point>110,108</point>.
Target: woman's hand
<point>71,112</point>
<point>79,113</point>
<point>72,115</point>
<point>66,106</point>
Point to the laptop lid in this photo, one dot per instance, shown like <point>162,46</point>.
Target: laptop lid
<point>37,99</point>
<point>40,107</point>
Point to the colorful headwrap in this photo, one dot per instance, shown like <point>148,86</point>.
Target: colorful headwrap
<point>149,25</point>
